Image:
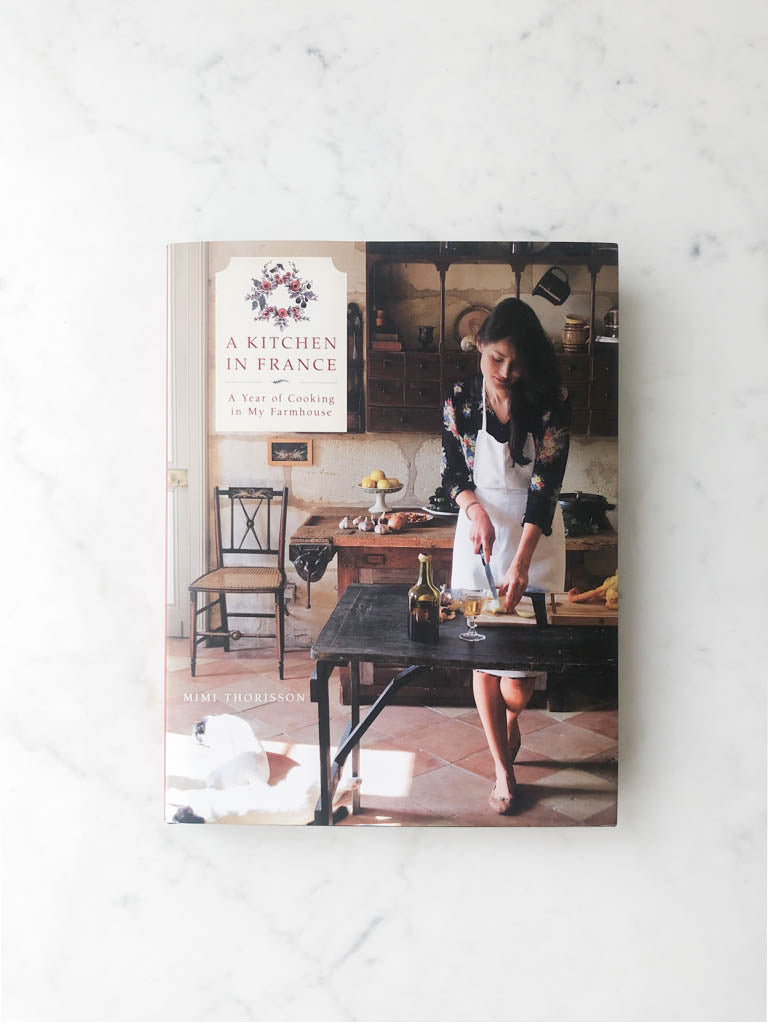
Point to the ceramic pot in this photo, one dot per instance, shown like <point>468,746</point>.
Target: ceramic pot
<point>575,336</point>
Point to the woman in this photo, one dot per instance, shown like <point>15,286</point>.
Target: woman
<point>505,445</point>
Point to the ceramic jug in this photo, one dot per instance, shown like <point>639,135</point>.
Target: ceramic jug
<point>553,286</point>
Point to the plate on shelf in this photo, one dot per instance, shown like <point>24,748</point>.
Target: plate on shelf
<point>469,321</point>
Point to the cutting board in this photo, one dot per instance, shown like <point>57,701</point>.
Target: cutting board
<point>564,614</point>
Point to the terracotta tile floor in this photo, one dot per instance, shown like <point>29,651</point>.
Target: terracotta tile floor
<point>419,766</point>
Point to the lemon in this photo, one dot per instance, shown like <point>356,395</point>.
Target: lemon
<point>392,481</point>
<point>377,474</point>
<point>382,485</point>
<point>367,482</point>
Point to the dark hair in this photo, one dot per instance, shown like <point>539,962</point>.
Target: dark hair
<point>538,387</point>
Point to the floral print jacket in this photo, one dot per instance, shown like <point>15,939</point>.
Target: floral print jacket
<point>463,418</point>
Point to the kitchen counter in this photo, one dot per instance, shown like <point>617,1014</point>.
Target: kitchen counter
<point>319,538</point>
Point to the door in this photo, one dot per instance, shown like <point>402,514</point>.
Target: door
<point>186,428</point>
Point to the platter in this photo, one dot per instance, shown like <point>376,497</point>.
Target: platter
<point>412,518</point>
<point>435,512</point>
<point>469,322</point>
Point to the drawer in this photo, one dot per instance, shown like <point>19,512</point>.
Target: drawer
<point>580,422</point>
<point>604,424</point>
<point>425,392</point>
<point>385,364</point>
<point>574,369</point>
<point>396,564</point>
<point>422,366</point>
<point>606,366</point>
<point>579,396</point>
<point>460,364</point>
<point>604,396</point>
<point>394,418</point>
<point>385,392</point>
<point>429,687</point>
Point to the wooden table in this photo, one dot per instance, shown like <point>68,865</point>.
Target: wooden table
<point>369,625</point>
<point>390,559</point>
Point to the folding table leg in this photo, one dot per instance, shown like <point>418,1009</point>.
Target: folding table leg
<point>354,675</point>
<point>318,689</point>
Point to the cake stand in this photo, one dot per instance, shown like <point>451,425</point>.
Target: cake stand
<point>380,505</point>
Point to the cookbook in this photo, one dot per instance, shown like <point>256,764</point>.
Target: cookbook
<point>392,589</point>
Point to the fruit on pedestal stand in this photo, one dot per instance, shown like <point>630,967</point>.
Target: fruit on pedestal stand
<point>377,474</point>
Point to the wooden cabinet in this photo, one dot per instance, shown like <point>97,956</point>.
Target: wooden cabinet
<point>593,385</point>
<point>405,389</point>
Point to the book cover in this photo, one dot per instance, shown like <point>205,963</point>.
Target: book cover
<point>308,471</point>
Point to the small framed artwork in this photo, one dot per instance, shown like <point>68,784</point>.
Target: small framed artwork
<point>287,451</point>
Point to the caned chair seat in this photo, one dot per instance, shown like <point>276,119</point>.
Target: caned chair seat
<point>239,578</point>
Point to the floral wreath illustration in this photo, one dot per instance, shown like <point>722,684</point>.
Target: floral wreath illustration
<point>264,294</point>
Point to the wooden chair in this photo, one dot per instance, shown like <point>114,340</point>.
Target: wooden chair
<point>246,513</point>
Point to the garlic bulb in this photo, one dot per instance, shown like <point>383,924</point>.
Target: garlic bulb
<point>366,525</point>
<point>357,520</point>
<point>345,523</point>
<point>381,528</point>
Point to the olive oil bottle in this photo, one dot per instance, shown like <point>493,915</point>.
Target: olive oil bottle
<point>424,606</point>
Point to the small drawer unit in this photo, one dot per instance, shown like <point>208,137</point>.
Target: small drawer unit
<point>422,366</point>
<point>422,392</point>
<point>385,392</point>
<point>385,365</point>
<point>574,369</point>
<point>389,419</point>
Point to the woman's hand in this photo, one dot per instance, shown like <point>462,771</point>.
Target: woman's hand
<point>514,584</point>
<point>481,531</point>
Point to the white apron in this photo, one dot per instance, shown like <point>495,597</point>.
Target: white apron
<point>502,488</point>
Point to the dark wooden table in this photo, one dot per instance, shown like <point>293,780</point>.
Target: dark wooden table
<point>369,624</point>
<point>392,559</point>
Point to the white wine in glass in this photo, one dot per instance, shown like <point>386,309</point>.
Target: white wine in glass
<point>472,603</point>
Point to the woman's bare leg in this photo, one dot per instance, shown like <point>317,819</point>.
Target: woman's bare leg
<point>516,692</point>
<point>492,708</point>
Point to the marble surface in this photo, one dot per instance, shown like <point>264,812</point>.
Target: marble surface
<point>130,125</point>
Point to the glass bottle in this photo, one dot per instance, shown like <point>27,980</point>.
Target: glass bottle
<point>424,606</point>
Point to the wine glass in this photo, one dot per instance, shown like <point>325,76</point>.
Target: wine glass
<point>472,602</point>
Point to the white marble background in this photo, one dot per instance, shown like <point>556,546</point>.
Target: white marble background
<point>130,124</point>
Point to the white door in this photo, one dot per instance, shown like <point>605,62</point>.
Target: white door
<point>186,427</point>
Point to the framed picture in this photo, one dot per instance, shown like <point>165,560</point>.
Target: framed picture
<point>287,451</point>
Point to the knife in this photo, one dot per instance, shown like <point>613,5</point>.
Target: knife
<point>489,577</point>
